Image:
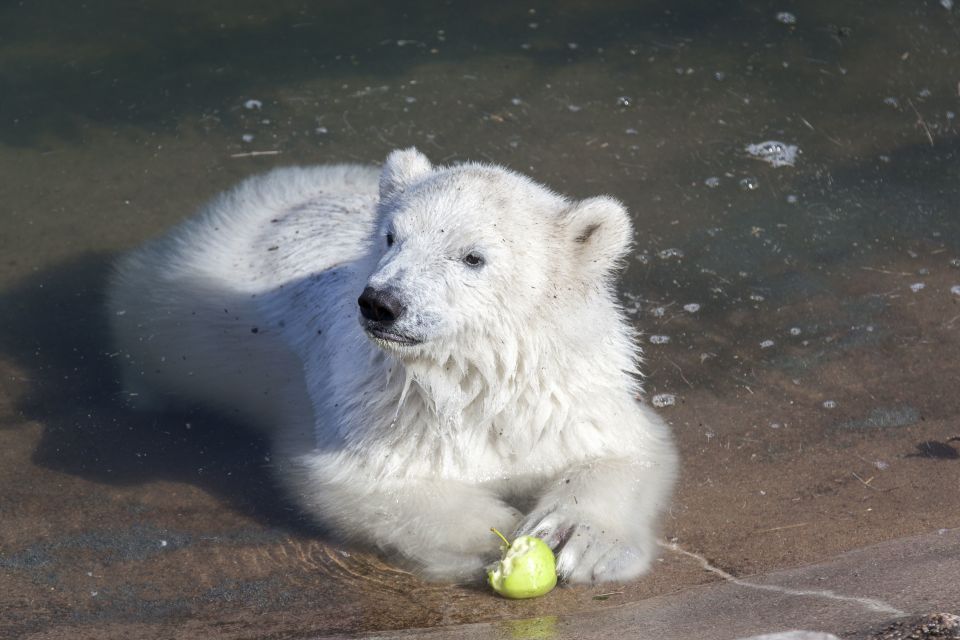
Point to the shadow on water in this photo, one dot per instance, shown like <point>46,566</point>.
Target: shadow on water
<point>55,330</point>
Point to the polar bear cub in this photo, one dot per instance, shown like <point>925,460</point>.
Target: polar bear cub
<point>434,351</point>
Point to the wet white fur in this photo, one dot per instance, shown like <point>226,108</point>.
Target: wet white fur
<point>516,411</point>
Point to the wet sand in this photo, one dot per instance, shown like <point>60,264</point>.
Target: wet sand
<point>814,386</point>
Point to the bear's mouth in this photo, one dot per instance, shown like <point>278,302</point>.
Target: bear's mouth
<point>381,335</point>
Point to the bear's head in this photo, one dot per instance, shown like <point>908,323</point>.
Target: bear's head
<point>468,255</point>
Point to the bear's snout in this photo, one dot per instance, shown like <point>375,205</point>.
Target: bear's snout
<point>381,306</point>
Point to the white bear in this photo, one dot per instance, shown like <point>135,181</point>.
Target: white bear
<point>434,351</point>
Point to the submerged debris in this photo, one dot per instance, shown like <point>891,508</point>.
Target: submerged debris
<point>945,626</point>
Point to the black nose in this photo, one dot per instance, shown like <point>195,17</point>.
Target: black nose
<point>380,306</point>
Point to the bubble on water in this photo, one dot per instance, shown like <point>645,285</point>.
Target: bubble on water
<point>663,400</point>
<point>624,101</point>
<point>924,93</point>
<point>749,184</point>
<point>253,104</point>
<point>891,101</point>
<point>321,131</point>
<point>777,154</point>
<point>642,258</point>
<point>756,297</point>
<point>659,339</point>
<point>573,46</point>
<point>631,131</point>
<point>766,344</point>
<point>917,286</point>
<point>946,4</point>
<point>786,17</point>
<point>775,425</point>
<point>409,99</point>
<point>666,254</point>
<point>713,182</point>
<point>693,307</point>
<point>516,102</point>
<point>795,331</point>
<point>574,108</point>
<point>955,289</point>
<point>247,137</point>
<point>792,199</point>
<point>951,115</point>
<point>882,465</point>
<point>658,312</point>
<point>829,404</point>
<point>955,263</point>
<point>719,76</point>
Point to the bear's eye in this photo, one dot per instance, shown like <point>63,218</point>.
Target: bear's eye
<point>473,259</point>
<point>390,240</point>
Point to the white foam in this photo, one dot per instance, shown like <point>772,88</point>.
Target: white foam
<point>777,154</point>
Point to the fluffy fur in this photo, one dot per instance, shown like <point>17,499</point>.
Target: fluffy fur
<point>504,396</point>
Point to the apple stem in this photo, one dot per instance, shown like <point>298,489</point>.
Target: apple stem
<point>505,541</point>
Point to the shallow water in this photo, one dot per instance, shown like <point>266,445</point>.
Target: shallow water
<point>802,319</point>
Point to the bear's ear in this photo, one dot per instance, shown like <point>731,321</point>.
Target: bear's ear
<point>402,168</point>
<point>600,233</point>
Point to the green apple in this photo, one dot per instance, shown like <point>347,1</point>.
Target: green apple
<point>528,568</point>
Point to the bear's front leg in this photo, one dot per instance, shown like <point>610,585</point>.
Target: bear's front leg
<point>440,528</point>
<point>600,517</point>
